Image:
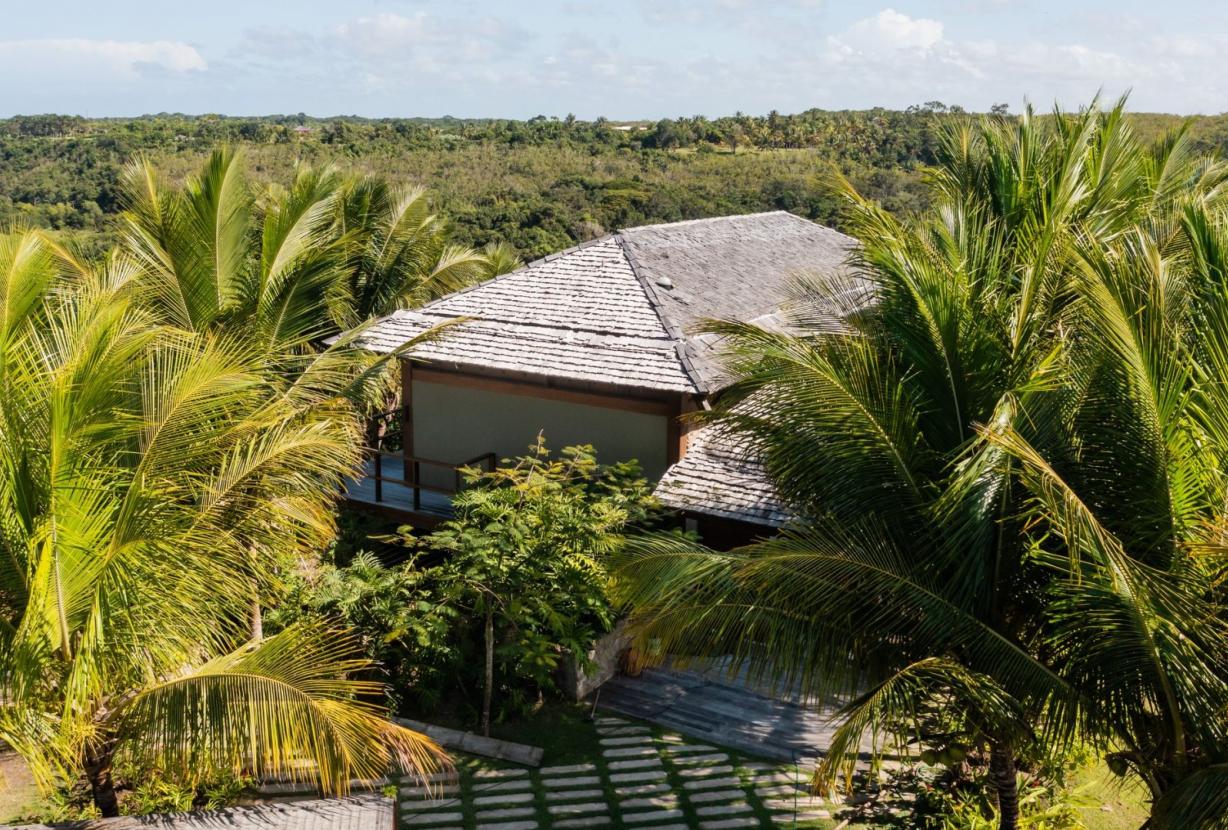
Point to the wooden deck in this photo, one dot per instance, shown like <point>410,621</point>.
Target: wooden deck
<point>397,498</point>
<point>726,710</point>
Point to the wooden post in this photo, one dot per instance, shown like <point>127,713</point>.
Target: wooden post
<point>673,435</point>
<point>408,468</point>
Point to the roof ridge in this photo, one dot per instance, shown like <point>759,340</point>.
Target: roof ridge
<point>713,219</point>
<point>671,328</point>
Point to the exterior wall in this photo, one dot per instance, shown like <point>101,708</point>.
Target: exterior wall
<point>455,423</point>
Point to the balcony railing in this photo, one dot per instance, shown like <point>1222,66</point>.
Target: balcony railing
<point>407,490</point>
<point>411,483</point>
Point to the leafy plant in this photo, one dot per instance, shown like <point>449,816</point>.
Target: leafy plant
<point>526,555</point>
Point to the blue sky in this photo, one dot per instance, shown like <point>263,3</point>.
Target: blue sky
<point>618,58</point>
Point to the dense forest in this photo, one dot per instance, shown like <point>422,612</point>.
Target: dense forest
<point>539,185</point>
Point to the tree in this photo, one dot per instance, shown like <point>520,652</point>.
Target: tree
<point>526,555</point>
<point>148,480</point>
<point>1126,475</point>
<point>276,273</point>
<point>908,582</point>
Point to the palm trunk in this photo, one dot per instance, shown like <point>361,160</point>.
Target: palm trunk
<point>257,618</point>
<point>102,786</point>
<point>488,687</point>
<point>1005,780</point>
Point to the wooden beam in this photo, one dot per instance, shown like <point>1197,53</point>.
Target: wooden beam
<point>629,403</point>
<point>674,447</point>
<point>407,417</point>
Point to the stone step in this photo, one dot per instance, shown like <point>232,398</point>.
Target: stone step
<point>700,772</point>
<point>632,777</point>
<point>514,786</point>
<point>425,819</point>
<point>507,812</point>
<point>574,795</point>
<point>602,820</point>
<point>526,824</point>
<point>652,801</point>
<point>503,798</point>
<point>729,823</point>
<point>635,763</point>
<point>711,783</point>
<point>654,816</point>
<point>573,809</point>
<point>714,758</point>
<point>634,740</point>
<point>629,752</point>
<point>684,749</point>
<point>723,809</point>
<point>577,781</point>
<point>640,789</point>
<point>568,769</point>
<point>713,796</point>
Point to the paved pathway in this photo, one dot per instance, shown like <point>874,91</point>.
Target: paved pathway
<point>659,782</point>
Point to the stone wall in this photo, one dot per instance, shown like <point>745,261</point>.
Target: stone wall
<point>605,658</point>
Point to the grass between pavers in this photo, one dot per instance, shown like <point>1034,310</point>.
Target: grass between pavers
<point>569,736</point>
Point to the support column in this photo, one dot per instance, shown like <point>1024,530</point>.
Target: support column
<point>407,421</point>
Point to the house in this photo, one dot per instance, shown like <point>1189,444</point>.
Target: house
<point>597,345</point>
<point>360,812</point>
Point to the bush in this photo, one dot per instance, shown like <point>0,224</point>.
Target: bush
<point>525,552</point>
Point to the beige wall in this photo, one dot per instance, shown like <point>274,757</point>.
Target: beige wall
<point>457,423</point>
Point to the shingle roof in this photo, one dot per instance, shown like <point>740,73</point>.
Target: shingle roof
<point>619,310</point>
<point>361,812</point>
<point>718,477</point>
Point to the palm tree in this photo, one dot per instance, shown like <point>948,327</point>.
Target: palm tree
<point>279,272</point>
<point>1126,471</point>
<point>397,253</point>
<point>907,585</point>
<point>287,267</point>
<point>148,479</point>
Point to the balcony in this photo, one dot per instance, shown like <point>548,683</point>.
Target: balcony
<point>411,487</point>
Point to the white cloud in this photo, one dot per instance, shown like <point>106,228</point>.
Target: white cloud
<point>423,33</point>
<point>125,58</point>
<point>892,59</point>
<point>891,30</point>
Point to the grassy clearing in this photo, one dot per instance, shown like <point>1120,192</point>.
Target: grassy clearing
<point>18,795</point>
<point>1096,789</point>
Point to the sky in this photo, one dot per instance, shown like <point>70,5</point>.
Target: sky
<point>622,59</point>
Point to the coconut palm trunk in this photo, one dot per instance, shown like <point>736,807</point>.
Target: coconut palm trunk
<point>98,764</point>
<point>1003,775</point>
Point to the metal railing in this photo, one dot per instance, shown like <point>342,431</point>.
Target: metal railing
<point>413,464</point>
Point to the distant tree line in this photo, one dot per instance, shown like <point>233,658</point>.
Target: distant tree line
<point>538,184</point>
